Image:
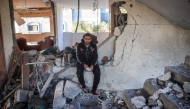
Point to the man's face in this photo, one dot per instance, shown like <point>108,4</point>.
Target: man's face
<point>87,40</point>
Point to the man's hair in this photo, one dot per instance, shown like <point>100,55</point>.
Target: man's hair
<point>87,34</point>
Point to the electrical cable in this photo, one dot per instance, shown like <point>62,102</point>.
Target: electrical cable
<point>78,16</point>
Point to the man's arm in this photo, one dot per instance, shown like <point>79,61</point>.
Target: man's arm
<point>95,56</point>
<point>79,56</point>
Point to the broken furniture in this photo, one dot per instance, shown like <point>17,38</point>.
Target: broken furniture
<point>48,41</point>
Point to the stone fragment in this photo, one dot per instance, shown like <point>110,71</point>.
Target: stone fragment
<point>59,100</point>
<point>180,95</point>
<point>138,101</point>
<point>152,102</point>
<point>109,105</point>
<point>146,107</point>
<point>163,78</point>
<point>71,89</point>
<point>121,102</point>
<point>105,59</point>
<point>186,87</point>
<point>23,96</point>
<point>177,88</point>
<point>160,104</point>
<point>88,100</point>
<point>169,84</point>
<point>155,96</point>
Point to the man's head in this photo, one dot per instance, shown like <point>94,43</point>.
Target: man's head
<point>87,38</point>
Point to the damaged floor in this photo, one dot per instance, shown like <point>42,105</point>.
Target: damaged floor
<point>51,85</point>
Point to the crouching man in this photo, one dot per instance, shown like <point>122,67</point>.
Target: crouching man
<point>87,60</point>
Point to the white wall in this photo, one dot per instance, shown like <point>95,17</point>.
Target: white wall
<point>148,44</point>
<point>6,28</point>
<point>70,38</point>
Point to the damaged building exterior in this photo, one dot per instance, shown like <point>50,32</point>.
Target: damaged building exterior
<point>144,58</point>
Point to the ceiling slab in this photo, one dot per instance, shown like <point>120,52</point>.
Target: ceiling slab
<point>177,11</point>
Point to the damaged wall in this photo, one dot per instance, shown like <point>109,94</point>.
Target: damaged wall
<point>6,28</point>
<point>148,44</point>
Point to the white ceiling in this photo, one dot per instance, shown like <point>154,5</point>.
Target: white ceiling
<point>84,4</point>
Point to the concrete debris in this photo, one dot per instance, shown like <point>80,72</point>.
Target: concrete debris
<point>155,96</point>
<point>109,105</point>
<point>138,101</point>
<point>71,89</point>
<point>156,107</point>
<point>170,84</point>
<point>160,104</point>
<point>180,95</point>
<point>32,52</point>
<point>88,100</point>
<point>23,96</point>
<point>186,87</point>
<point>164,78</point>
<point>59,101</point>
<point>177,88</point>
<point>146,107</point>
<point>152,102</point>
<point>121,102</point>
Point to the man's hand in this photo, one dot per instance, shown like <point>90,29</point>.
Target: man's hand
<point>91,67</point>
<point>85,66</point>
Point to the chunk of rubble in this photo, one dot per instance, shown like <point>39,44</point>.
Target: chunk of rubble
<point>152,102</point>
<point>156,107</point>
<point>162,80</point>
<point>160,104</point>
<point>186,87</point>
<point>59,100</point>
<point>177,88</point>
<point>23,96</point>
<point>155,96</point>
<point>71,90</point>
<point>169,84</point>
<point>138,101</point>
<point>87,100</point>
<point>180,95</point>
<point>109,105</point>
<point>146,107</point>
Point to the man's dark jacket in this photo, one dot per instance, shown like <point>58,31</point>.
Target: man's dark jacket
<point>87,55</point>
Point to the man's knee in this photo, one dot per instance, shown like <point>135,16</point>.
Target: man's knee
<point>97,70</point>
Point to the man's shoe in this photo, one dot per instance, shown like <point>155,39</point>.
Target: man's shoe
<point>95,92</point>
<point>85,90</point>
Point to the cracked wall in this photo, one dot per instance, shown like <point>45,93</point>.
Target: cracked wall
<point>148,44</point>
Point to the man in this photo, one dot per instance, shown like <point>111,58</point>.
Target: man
<point>87,58</point>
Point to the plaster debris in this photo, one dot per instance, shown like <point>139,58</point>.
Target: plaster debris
<point>59,100</point>
<point>152,102</point>
<point>160,104</point>
<point>177,88</point>
<point>170,84</point>
<point>180,95</point>
<point>156,107</point>
<point>164,78</point>
<point>186,87</point>
<point>146,107</point>
<point>138,101</point>
<point>87,100</point>
<point>71,90</point>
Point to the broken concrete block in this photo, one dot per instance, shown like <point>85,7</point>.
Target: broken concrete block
<point>138,101</point>
<point>169,84</point>
<point>88,100</point>
<point>23,96</point>
<point>186,87</point>
<point>160,104</point>
<point>59,101</point>
<point>164,78</point>
<point>177,88</point>
<point>146,107</point>
<point>155,96</point>
<point>109,105</point>
<point>180,95</point>
<point>71,90</point>
<point>152,102</point>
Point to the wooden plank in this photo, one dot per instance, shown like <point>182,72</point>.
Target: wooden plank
<point>10,93</point>
<point>25,71</point>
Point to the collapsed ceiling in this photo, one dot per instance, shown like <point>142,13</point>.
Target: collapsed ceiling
<point>177,11</point>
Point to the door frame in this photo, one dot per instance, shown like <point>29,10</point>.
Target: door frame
<point>1,41</point>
